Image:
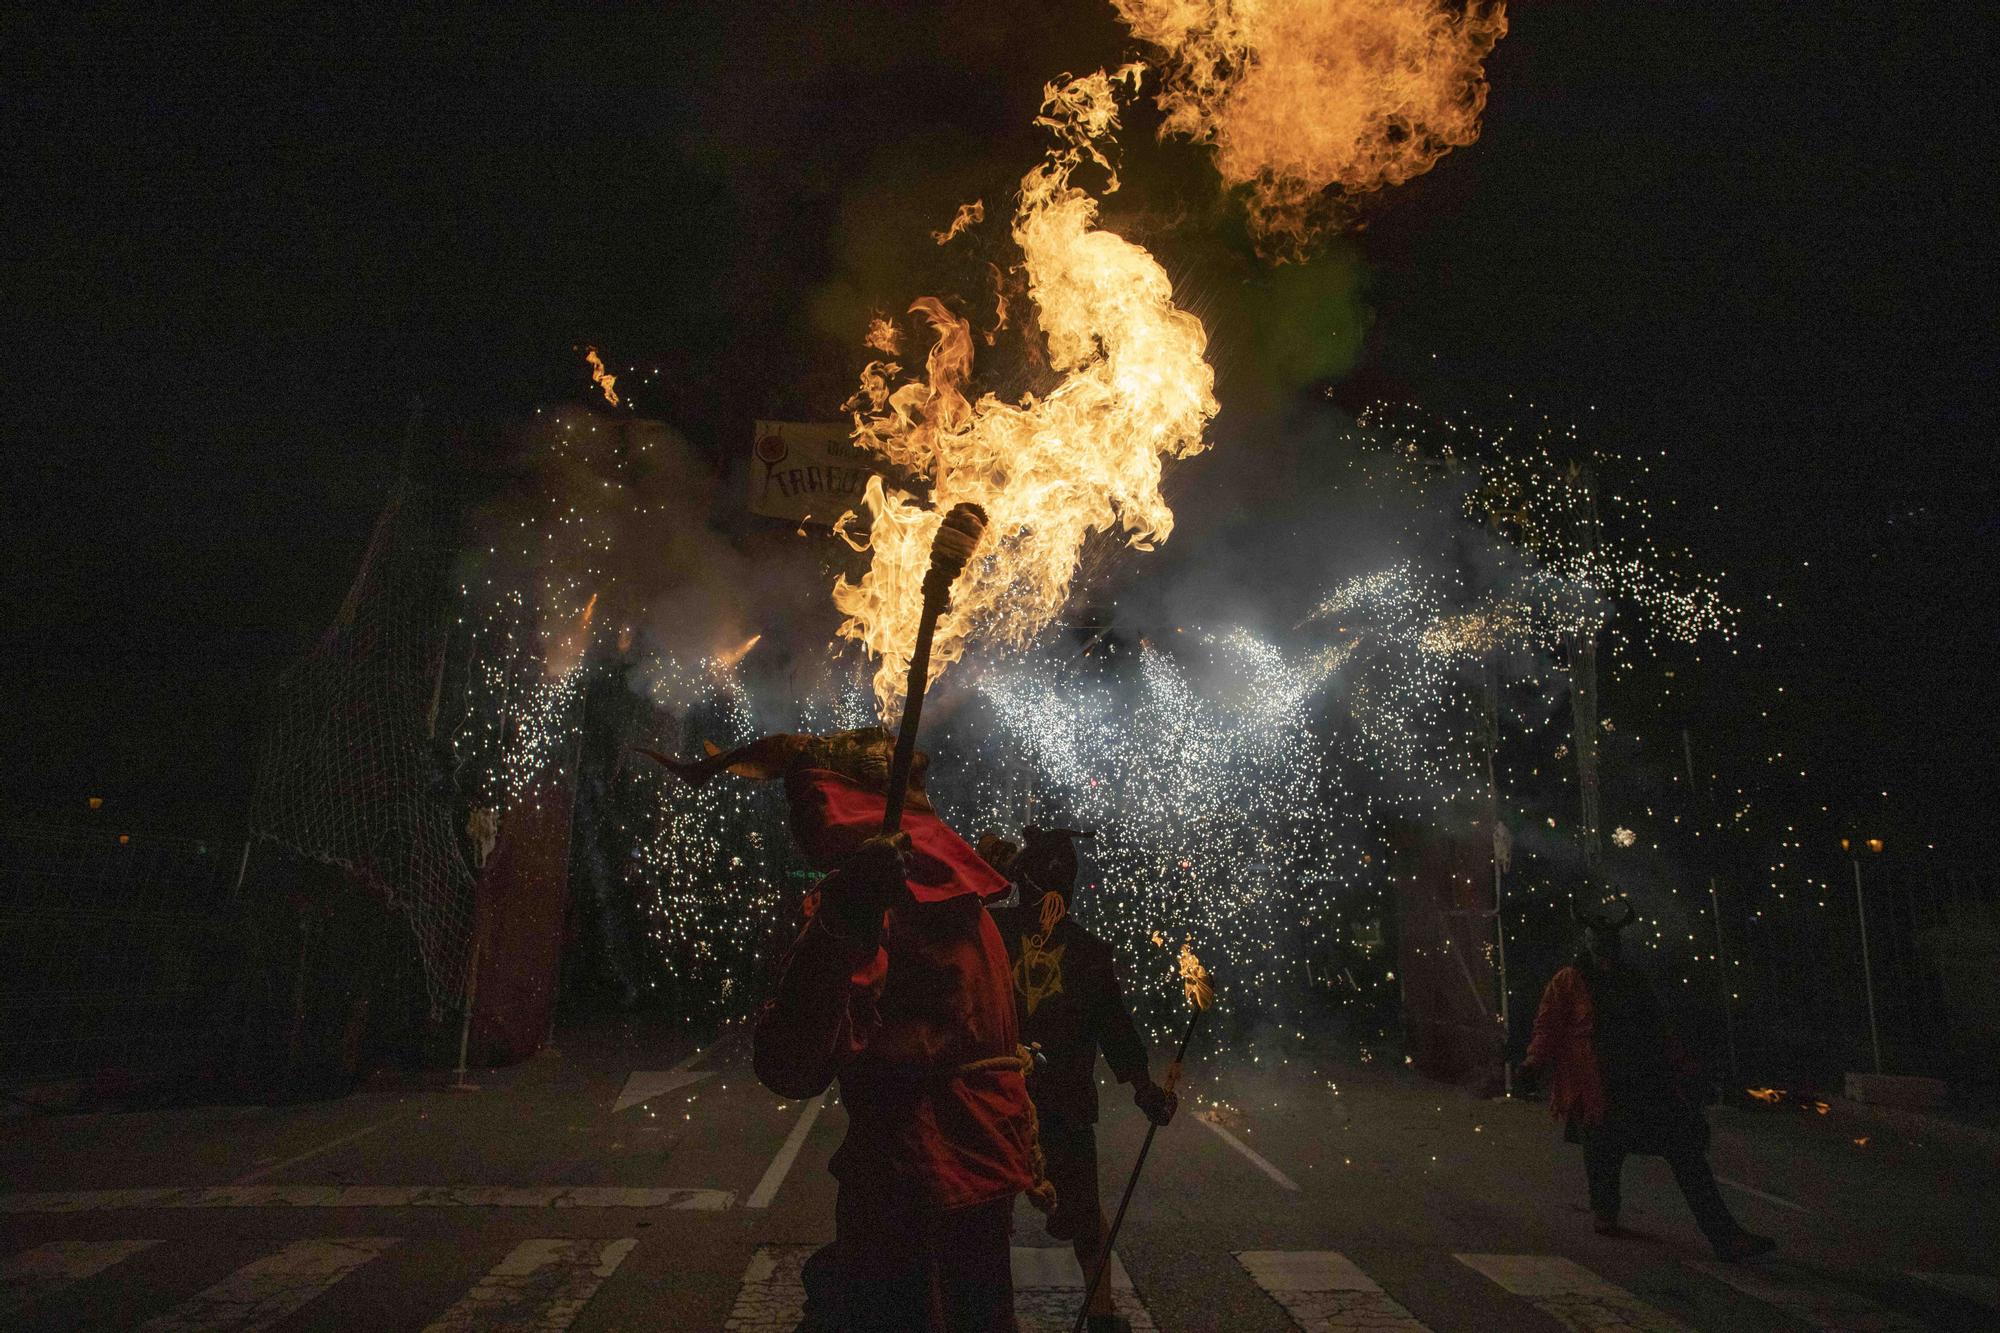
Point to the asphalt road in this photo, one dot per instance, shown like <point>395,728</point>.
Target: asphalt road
<point>1292,1193</point>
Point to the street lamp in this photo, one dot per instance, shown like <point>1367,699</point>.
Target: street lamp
<point>1854,847</point>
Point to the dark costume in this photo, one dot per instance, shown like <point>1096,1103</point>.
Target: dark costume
<point>898,986</point>
<point>1623,1085</point>
<point>1071,1007</point>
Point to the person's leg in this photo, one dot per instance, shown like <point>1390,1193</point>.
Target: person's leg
<point>1088,1245</point>
<point>1604,1165</point>
<point>880,1278</point>
<point>975,1267</point>
<point>1697,1181</point>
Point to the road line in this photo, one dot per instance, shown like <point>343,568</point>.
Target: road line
<point>1974,1287</point>
<point>1048,1288</point>
<point>1322,1289</point>
<point>772,1298</point>
<point>788,1151</point>
<point>311,1153</point>
<point>1767,1198</point>
<point>1809,1298</point>
<point>1571,1294</point>
<point>642,1085</point>
<point>541,1285</point>
<point>261,1293</point>
<point>370,1196</point>
<point>33,1274</point>
<point>1256,1158</point>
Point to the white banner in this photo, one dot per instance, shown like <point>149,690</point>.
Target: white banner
<point>806,471</point>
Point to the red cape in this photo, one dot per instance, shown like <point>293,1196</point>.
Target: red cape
<point>832,816</point>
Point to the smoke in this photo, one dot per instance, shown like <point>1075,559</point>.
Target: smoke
<point>621,515</point>
<point>1311,104</point>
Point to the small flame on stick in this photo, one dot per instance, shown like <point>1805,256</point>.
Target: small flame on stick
<point>1194,979</point>
<point>601,377</point>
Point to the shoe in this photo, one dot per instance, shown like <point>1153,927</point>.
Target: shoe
<point>1743,1245</point>
<point>1606,1226</point>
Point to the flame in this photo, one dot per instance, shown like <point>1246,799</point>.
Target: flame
<point>1298,97</point>
<point>567,653</point>
<point>969,215</point>
<point>601,377</point>
<point>884,336</point>
<point>736,654</point>
<point>1086,457</point>
<point>1772,1095</point>
<point>1194,979</point>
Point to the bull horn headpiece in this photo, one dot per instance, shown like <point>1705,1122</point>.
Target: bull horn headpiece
<point>1604,921</point>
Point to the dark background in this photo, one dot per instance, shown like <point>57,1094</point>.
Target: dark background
<point>237,242</point>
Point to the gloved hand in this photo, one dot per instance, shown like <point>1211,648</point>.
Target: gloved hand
<point>866,885</point>
<point>1155,1101</point>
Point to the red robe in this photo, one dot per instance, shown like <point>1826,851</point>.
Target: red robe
<point>1565,1024</point>
<point>897,1019</point>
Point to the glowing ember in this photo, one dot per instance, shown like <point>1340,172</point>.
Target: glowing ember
<point>1302,97</point>
<point>1049,471</point>
<point>567,652</point>
<point>601,377</point>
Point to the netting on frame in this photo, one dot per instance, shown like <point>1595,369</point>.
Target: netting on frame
<point>349,773</point>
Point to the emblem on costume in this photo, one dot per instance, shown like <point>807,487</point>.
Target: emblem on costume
<point>1038,974</point>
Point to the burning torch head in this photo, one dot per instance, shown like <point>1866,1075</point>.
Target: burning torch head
<point>957,537</point>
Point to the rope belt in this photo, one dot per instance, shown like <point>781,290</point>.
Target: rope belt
<point>1042,1194</point>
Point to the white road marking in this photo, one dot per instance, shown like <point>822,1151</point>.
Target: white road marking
<point>1323,1290</point>
<point>35,1273</point>
<point>1767,1198</point>
<point>311,1153</point>
<point>1808,1298</point>
<point>541,1285</point>
<point>260,1294</point>
<point>1975,1287</point>
<point>788,1152</point>
<point>369,1196</point>
<point>1256,1158</point>
<point>1048,1288</point>
<point>646,1084</point>
<point>1571,1294</point>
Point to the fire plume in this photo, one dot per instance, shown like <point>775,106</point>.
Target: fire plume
<point>1300,98</point>
<point>969,215</point>
<point>728,659</point>
<point>1194,979</point>
<point>1135,391</point>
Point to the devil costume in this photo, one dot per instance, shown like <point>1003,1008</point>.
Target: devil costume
<point>1071,1007</point>
<point>899,988</point>
<point>1623,1085</point>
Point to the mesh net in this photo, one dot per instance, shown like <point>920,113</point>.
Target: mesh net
<point>349,772</point>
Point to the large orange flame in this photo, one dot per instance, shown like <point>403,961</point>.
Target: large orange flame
<point>1299,97</point>
<point>1049,471</point>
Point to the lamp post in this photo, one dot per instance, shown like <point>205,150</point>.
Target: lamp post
<point>1853,848</point>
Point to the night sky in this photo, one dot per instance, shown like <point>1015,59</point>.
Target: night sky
<point>1756,237</point>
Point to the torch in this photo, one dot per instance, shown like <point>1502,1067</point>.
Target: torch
<point>1194,978</point>
<point>950,549</point>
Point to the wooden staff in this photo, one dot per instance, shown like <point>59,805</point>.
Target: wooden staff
<point>1200,995</point>
<point>950,549</point>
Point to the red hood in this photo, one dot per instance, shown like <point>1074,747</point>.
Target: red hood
<point>832,816</point>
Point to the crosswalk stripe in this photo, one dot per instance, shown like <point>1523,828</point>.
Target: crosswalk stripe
<point>1049,1285</point>
<point>1975,1287</point>
<point>1571,1294</point>
<point>788,1152</point>
<point>1809,1299</point>
<point>369,1196</point>
<point>262,1292</point>
<point>32,1274</point>
<point>1322,1289</point>
<point>1048,1288</point>
<point>541,1284</point>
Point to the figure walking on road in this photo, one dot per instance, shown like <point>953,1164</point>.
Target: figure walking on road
<point>898,986</point>
<point>1071,1006</point>
<point>1623,1084</point>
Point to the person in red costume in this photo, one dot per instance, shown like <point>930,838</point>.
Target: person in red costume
<point>1071,1008</point>
<point>898,987</point>
<point>1623,1084</point>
